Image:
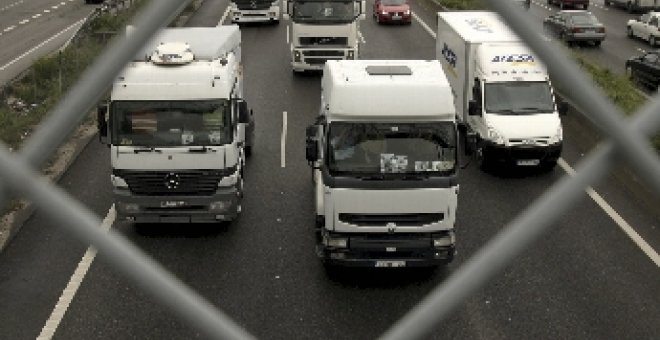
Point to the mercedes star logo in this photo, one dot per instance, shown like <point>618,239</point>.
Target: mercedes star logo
<point>253,4</point>
<point>172,181</point>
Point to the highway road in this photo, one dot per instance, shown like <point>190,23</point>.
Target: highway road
<point>586,279</point>
<point>30,29</point>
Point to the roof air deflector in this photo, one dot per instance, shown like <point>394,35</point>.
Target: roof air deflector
<point>388,70</point>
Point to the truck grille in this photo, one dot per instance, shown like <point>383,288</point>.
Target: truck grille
<point>336,41</point>
<point>401,220</point>
<point>323,53</point>
<point>172,183</point>
<point>252,4</point>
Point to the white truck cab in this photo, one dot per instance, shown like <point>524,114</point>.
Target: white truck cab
<point>503,94</point>
<point>178,129</point>
<point>384,157</point>
<point>322,30</point>
<point>249,11</point>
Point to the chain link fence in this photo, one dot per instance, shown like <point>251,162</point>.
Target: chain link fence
<point>628,142</point>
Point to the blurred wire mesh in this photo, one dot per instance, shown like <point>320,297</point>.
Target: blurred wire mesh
<point>628,142</point>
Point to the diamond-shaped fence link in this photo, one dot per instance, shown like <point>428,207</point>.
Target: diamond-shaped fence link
<point>628,142</point>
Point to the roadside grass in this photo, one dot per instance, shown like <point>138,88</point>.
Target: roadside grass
<point>618,88</point>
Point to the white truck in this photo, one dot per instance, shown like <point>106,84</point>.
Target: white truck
<point>647,27</point>
<point>248,11</point>
<point>322,30</point>
<point>503,95</point>
<point>384,156</point>
<point>178,128</point>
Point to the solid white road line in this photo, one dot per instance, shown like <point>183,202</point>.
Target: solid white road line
<point>283,141</point>
<point>645,247</point>
<point>361,37</point>
<point>424,25</point>
<point>287,34</point>
<point>224,16</point>
<point>639,241</point>
<point>76,280</point>
<point>79,22</point>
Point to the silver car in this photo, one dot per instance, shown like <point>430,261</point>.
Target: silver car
<point>574,26</point>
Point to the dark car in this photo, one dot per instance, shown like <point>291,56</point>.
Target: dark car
<point>575,26</point>
<point>645,69</point>
<point>584,4</point>
<point>392,11</point>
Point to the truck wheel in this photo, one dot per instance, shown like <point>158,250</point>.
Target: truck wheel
<point>482,159</point>
<point>597,43</point>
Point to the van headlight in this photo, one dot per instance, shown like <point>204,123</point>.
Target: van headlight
<point>118,182</point>
<point>494,136</point>
<point>558,137</point>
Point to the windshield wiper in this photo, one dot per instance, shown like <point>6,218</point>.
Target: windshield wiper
<point>147,150</point>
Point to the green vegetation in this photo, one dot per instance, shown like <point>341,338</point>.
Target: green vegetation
<point>26,100</point>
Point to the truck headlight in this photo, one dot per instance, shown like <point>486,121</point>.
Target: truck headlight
<point>407,12</point>
<point>495,136</point>
<point>296,56</point>
<point>446,240</point>
<point>335,242</point>
<point>350,54</point>
<point>118,182</point>
<point>228,181</point>
<point>383,13</point>
<point>558,137</point>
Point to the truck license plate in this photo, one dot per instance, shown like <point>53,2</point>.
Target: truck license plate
<point>528,162</point>
<point>172,204</point>
<point>390,264</point>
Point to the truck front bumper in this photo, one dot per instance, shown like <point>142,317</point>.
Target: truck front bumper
<point>303,59</point>
<point>522,155</point>
<point>222,206</point>
<point>266,15</point>
<point>387,250</point>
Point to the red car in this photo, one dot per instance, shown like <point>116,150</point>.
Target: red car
<point>392,11</point>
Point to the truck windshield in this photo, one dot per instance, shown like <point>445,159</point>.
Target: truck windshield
<point>425,149</point>
<point>515,98</point>
<point>324,12</point>
<point>171,123</point>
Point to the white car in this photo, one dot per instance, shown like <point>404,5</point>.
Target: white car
<point>645,27</point>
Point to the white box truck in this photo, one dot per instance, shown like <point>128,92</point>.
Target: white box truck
<point>503,94</point>
<point>384,157</point>
<point>178,128</point>
<point>322,30</point>
<point>247,11</point>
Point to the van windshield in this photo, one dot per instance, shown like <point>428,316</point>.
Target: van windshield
<point>394,149</point>
<point>518,98</point>
<point>171,123</point>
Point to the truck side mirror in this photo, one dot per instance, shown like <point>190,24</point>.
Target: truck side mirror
<point>470,143</point>
<point>243,113</point>
<point>562,107</point>
<point>473,108</point>
<point>311,144</point>
<point>102,123</point>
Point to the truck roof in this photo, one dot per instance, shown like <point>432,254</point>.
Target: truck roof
<point>502,61</point>
<point>479,26</point>
<point>198,80</point>
<point>206,43</point>
<point>387,90</point>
